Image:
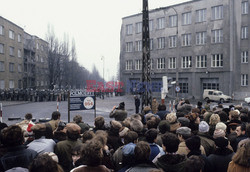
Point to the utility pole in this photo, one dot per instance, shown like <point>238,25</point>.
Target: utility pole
<point>146,79</point>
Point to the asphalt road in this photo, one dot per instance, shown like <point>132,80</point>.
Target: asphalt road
<point>103,108</point>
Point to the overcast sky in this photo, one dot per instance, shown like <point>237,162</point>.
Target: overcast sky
<point>94,24</point>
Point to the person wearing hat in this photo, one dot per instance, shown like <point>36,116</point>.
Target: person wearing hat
<point>119,113</point>
<point>174,124</point>
<point>63,148</point>
<point>206,140</point>
<point>41,144</point>
<point>114,141</point>
<point>222,155</point>
<point>184,133</point>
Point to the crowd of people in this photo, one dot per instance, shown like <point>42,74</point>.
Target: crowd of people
<point>189,139</point>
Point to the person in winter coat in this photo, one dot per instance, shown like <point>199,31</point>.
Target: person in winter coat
<point>171,161</point>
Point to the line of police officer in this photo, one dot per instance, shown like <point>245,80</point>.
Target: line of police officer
<point>33,95</point>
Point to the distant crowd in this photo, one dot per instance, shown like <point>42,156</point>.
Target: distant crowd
<point>188,139</point>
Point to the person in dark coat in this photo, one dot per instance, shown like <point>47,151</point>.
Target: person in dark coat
<point>17,155</point>
<point>171,161</point>
<point>137,104</point>
<point>119,113</point>
<point>162,112</point>
<point>220,159</point>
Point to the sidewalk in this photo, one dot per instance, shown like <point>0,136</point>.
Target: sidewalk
<point>13,103</point>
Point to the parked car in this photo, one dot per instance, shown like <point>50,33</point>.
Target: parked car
<point>215,95</point>
<point>247,100</point>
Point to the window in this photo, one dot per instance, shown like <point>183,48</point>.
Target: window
<point>2,68</point>
<point>138,27</point>
<point>201,15</point>
<point>172,41</point>
<point>186,62</point>
<point>161,63</point>
<point>183,87</point>
<point>18,38</point>
<point>214,86</point>
<point>1,48</point>
<point>19,53</point>
<point>244,80</point>
<point>217,12</point>
<point>11,83</point>
<point>160,23</point>
<point>129,29</point>
<point>244,32</point>
<point>201,38</point>
<point>42,48</point>
<point>11,34</point>
<point>2,84</point>
<point>151,25</point>
<point>217,36</point>
<point>151,63</point>
<point>151,44</point>
<point>1,30</point>
<point>11,67</point>
<point>244,7</point>
<point>161,43</point>
<point>129,46</point>
<point>37,83</point>
<point>173,21</point>
<point>42,60</point>
<point>11,51</point>
<point>201,61</point>
<point>138,45</point>
<point>186,18</point>
<point>138,64</point>
<point>172,63</point>
<point>37,58</point>
<point>244,57</point>
<point>129,64</point>
<point>186,39</point>
<point>19,68</point>
<point>217,60</point>
<point>37,46</point>
<point>42,83</point>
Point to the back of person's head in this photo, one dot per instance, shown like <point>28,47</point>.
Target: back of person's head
<point>77,119</point>
<point>199,103</point>
<point>136,126</point>
<point>162,107</point>
<point>196,110</point>
<point>101,136</point>
<point>223,116</point>
<point>56,115</point>
<point>185,132</point>
<point>99,122</point>
<point>171,142</point>
<point>193,143</point>
<point>244,117</point>
<point>39,130</point>
<point>194,164</point>
<point>87,135</point>
<point>248,130</point>
<point>151,135</point>
<point>214,119</point>
<point>73,131</point>
<point>136,116</point>
<point>130,137</point>
<point>12,136</point>
<point>151,124</point>
<point>142,152</point>
<point>241,157</point>
<point>164,126</point>
<point>92,152</point>
<point>28,116</point>
<point>44,163</point>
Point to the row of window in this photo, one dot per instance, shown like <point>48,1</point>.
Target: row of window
<point>12,83</point>
<point>200,16</point>
<point>11,34</point>
<point>11,67</point>
<point>11,51</point>
<point>186,62</point>
<point>200,39</point>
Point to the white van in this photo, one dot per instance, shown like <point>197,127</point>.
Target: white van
<point>215,95</point>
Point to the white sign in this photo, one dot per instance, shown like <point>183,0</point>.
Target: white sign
<point>88,102</point>
<point>177,89</point>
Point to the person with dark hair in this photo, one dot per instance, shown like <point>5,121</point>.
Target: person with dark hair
<point>163,127</point>
<point>26,124</point>
<point>162,112</point>
<point>207,105</point>
<point>41,144</point>
<point>84,126</point>
<point>88,135</point>
<point>240,161</point>
<point>156,150</point>
<point>241,132</point>
<point>220,159</point>
<point>223,116</point>
<point>92,155</point>
<point>171,161</point>
<point>199,105</point>
<point>99,124</point>
<point>142,162</point>
<point>55,119</point>
<point>63,148</point>
<point>114,141</point>
<point>119,113</point>
<point>120,156</point>
<point>194,164</point>
<point>17,155</point>
<point>137,104</point>
<point>44,163</point>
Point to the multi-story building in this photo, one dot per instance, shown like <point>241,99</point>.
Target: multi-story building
<point>201,44</point>
<point>23,58</point>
